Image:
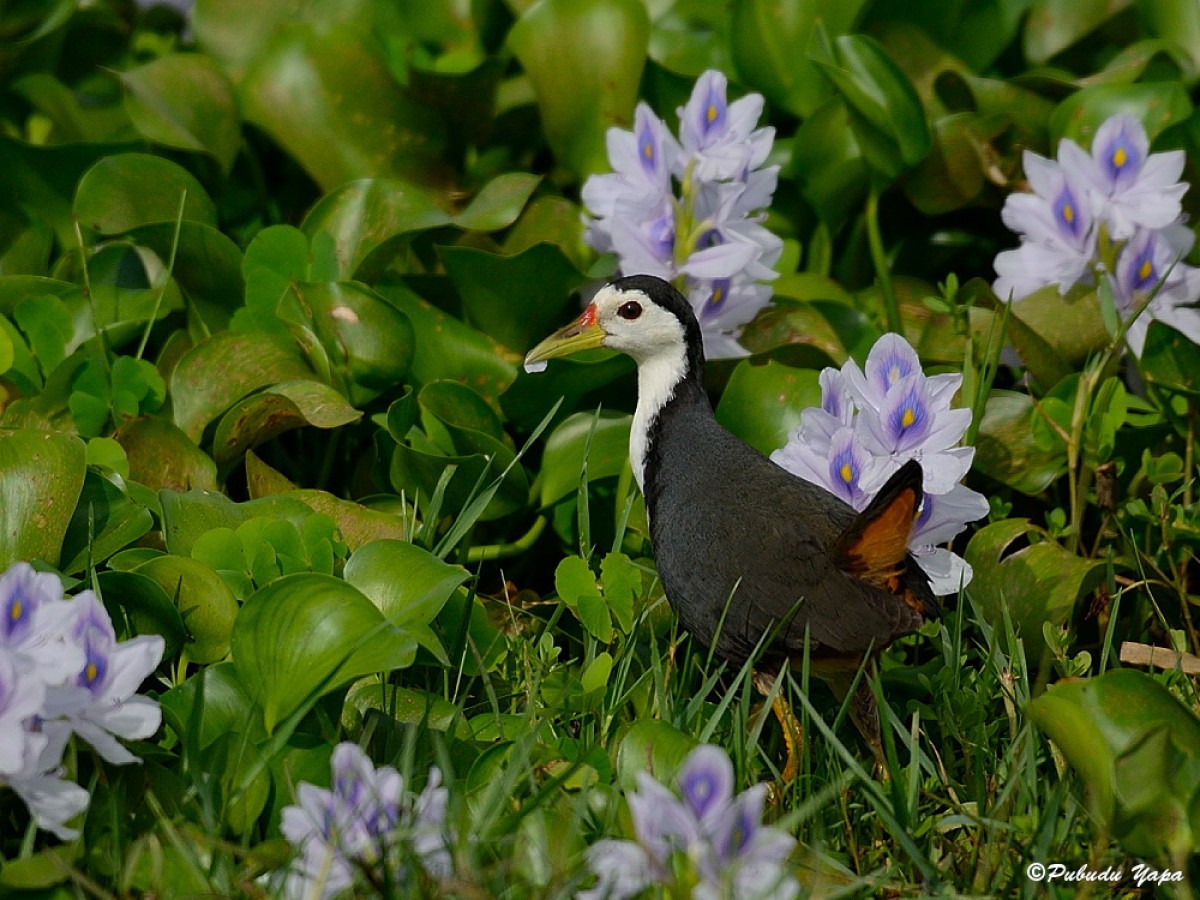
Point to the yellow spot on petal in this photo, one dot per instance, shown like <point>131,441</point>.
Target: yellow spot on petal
<point>14,611</point>
<point>717,295</point>
<point>1068,213</point>
<point>711,113</point>
<point>90,672</point>
<point>847,473</point>
<point>908,418</point>
<point>1120,157</point>
<point>1145,270</point>
<point>648,150</point>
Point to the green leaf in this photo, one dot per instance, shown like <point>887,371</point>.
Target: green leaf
<point>498,202</point>
<point>41,477</point>
<point>303,635</point>
<point>576,585</point>
<point>563,458</point>
<point>515,299</point>
<point>370,219</point>
<point>1158,105</point>
<point>653,746</point>
<point>162,457</point>
<point>187,516</point>
<point>771,38</point>
<point>447,348</point>
<point>121,192</point>
<point>184,100</point>
<point>1006,449</point>
<point>276,409</point>
<point>828,164</point>
<point>1036,584</point>
<point>885,112</point>
<point>368,342</point>
<point>762,404</point>
<point>139,605</point>
<point>311,84</point>
<point>1170,359</point>
<point>595,676</point>
<point>1055,334</point>
<point>1055,25</point>
<point>622,585</point>
<point>222,369</point>
<point>205,603</point>
<point>584,59</point>
<point>408,584</point>
<point>1135,745</point>
<point>105,520</point>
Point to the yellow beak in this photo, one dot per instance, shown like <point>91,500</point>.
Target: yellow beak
<point>582,334</point>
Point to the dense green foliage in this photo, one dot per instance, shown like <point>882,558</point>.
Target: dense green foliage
<point>267,274</point>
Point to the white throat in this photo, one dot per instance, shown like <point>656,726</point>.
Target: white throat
<point>658,377</point>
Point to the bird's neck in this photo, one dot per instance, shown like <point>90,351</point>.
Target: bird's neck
<point>663,379</point>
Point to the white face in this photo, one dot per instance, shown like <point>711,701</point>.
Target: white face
<point>634,324</point>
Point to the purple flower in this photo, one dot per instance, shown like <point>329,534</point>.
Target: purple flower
<point>1132,187</point>
<point>101,702</point>
<point>52,800</point>
<point>363,819</point>
<point>874,419</point>
<point>720,838</point>
<point>1057,229</point>
<point>1150,263</point>
<point>34,623</point>
<point>703,234</point>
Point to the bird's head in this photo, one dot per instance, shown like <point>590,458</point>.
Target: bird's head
<point>640,315</point>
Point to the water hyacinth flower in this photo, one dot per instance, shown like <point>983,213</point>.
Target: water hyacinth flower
<point>1113,214</point>
<point>63,672</point>
<point>874,419</point>
<point>364,821</point>
<point>717,838</point>
<point>689,210</point>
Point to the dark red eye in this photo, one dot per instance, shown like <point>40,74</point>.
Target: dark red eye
<point>630,310</point>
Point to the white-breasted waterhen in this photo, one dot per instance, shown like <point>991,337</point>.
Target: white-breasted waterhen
<point>747,552</point>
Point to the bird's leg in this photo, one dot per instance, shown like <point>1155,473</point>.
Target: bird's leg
<point>793,733</point>
<point>864,712</point>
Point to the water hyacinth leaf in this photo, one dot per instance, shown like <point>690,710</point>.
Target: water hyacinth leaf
<point>224,368</point>
<point>409,707</point>
<point>207,266</point>
<point>1170,359</point>
<point>576,586</point>
<point>653,746</point>
<point>515,299</point>
<point>1158,105</point>
<point>1178,23</point>
<point>1055,25</point>
<point>484,646</point>
<point>549,220</point>
<point>184,100</point>
<point>205,603</point>
<point>761,404</point>
<point>584,59</point>
<point>235,34</point>
<point>447,348</point>
<point>369,219</point>
<point>368,342</point>
<point>106,519</point>
<point>162,457</point>
<point>689,37</point>
<point>310,83</point>
<point>139,605</point>
<point>1135,745</point>
<point>1054,334</point>
<point>885,112</point>
<point>407,583</point>
<point>952,175</point>
<point>189,515</point>
<point>276,409</point>
<point>605,438</point>
<point>770,41</point>
<point>802,333</point>
<point>1036,584</point>
<point>121,192</point>
<point>498,202</point>
<point>306,634</point>
<point>828,164</point>
<point>460,410</point>
<point>212,703</point>
<point>1007,450</point>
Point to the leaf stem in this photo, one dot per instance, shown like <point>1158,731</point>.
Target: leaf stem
<point>879,258</point>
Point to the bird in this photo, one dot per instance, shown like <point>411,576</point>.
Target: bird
<point>752,559</point>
